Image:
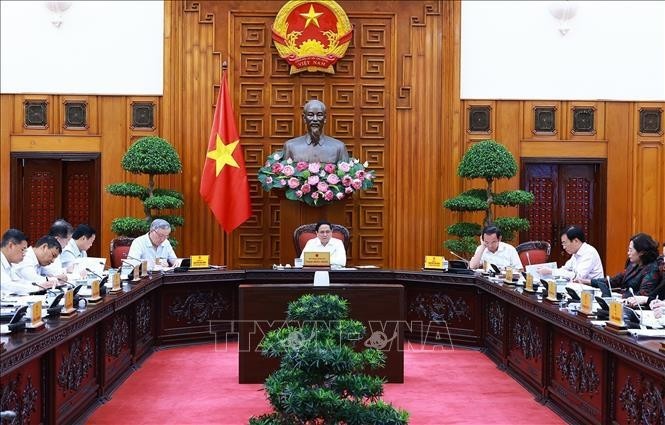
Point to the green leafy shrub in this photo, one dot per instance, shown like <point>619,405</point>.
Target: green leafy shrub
<point>320,379</point>
<point>488,160</point>
<point>152,156</point>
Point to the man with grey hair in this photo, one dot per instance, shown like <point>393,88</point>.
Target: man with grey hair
<point>315,146</point>
<point>154,246</point>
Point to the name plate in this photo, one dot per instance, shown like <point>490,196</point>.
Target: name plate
<point>115,283</point>
<point>36,314</point>
<point>509,275</point>
<point>68,310</point>
<point>551,291</point>
<point>528,285</point>
<point>616,313</point>
<point>316,259</point>
<point>435,262</point>
<point>144,268</point>
<point>94,289</point>
<point>115,280</point>
<point>199,261</point>
<point>586,304</point>
<point>69,300</point>
<point>486,265</point>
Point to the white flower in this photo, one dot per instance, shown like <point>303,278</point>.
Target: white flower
<point>365,164</point>
<point>290,161</point>
<point>276,157</point>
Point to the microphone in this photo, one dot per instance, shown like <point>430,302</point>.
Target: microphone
<point>135,259</point>
<point>45,288</point>
<point>528,259</point>
<point>461,258</point>
<point>630,288</point>
<point>88,270</point>
<point>609,285</point>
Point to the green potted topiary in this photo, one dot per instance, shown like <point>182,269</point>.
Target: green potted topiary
<point>320,379</point>
<point>149,155</point>
<point>487,160</point>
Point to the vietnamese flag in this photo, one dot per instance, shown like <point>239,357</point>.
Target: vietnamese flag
<point>224,184</point>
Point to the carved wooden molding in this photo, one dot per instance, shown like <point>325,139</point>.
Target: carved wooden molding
<point>644,404</point>
<point>117,335</point>
<point>199,307</point>
<point>581,374</point>
<point>403,99</point>
<point>527,337</point>
<point>20,402</point>
<point>439,308</point>
<point>496,313</point>
<point>76,364</point>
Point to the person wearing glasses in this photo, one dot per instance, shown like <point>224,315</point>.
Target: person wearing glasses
<point>325,242</point>
<point>494,251</point>
<point>12,250</point>
<point>154,246</point>
<point>32,269</point>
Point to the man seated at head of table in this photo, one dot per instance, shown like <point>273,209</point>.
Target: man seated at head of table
<point>154,246</point>
<point>584,263</point>
<point>494,251</point>
<point>324,241</point>
<point>37,258</point>
<point>12,249</point>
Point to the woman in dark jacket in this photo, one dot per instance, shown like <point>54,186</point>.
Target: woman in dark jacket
<point>642,276</point>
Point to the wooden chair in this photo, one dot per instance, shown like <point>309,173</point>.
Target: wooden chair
<point>118,250</point>
<point>308,231</point>
<point>534,252</point>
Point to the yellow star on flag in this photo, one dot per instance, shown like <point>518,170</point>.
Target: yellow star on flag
<point>223,154</point>
<point>311,16</point>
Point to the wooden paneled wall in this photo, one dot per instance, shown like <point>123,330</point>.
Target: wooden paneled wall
<point>635,159</point>
<point>395,102</point>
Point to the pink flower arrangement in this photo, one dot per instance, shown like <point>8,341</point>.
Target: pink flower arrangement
<point>315,183</point>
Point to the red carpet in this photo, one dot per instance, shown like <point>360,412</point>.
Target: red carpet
<point>198,385</point>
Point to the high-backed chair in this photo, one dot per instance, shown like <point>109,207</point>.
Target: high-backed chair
<point>308,231</point>
<point>119,250</point>
<point>534,252</point>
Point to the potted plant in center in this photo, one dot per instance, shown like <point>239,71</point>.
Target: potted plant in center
<point>321,376</point>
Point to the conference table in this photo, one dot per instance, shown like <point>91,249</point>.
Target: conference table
<point>582,371</point>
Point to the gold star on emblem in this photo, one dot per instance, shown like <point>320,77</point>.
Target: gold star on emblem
<point>223,154</point>
<point>311,16</point>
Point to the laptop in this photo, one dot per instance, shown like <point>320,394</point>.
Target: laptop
<point>316,259</point>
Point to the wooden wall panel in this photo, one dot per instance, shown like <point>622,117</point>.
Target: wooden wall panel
<point>409,123</point>
<point>635,176</point>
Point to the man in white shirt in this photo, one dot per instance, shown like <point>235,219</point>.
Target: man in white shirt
<point>81,241</point>
<point>492,250</point>
<point>325,242</point>
<point>36,259</point>
<point>584,263</point>
<point>12,249</point>
<point>154,246</point>
<point>62,231</point>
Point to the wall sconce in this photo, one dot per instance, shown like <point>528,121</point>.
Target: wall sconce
<point>57,8</point>
<point>563,11</point>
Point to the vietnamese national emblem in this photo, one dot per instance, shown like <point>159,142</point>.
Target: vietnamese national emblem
<point>312,35</point>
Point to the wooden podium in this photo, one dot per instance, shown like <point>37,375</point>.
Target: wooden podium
<point>293,214</point>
